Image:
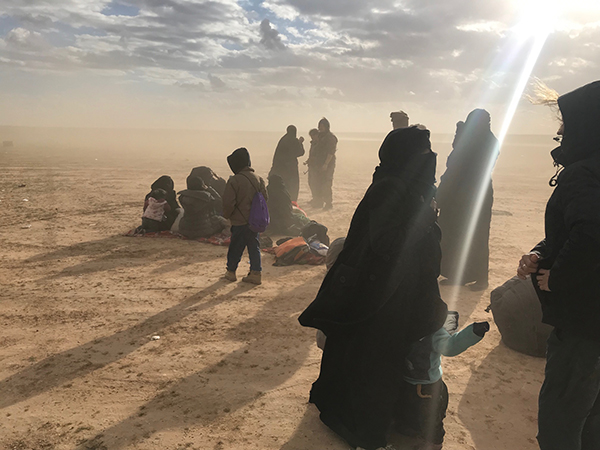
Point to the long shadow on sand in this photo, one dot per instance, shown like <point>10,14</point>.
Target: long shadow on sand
<point>79,361</point>
<point>240,379</point>
<point>115,252</point>
<point>499,405</point>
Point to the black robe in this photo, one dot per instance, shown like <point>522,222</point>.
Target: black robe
<point>466,175</point>
<point>166,182</point>
<point>280,206</point>
<point>380,295</point>
<point>285,163</point>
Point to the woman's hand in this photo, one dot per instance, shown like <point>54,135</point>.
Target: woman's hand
<point>528,265</point>
<point>543,279</point>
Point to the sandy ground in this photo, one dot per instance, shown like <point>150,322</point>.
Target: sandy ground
<point>79,304</point>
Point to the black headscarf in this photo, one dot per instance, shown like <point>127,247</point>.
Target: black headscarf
<point>165,182</point>
<point>195,183</point>
<point>239,160</point>
<point>406,153</point>
<point>580,111</point>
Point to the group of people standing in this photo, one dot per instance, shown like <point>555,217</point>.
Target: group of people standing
<point>380,300</point>
<point>320,163</point>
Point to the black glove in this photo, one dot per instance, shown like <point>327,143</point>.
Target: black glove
<point>480,328</point>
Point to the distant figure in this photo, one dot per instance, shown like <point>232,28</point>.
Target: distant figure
<point>285,161</point>
<point>200,218</point>
<point>237,204</point>
<point>314,139</point>
<point>380,295</point>
<point>321,166</point>
<point>210,179</point>
<point>467,176</point>
<point>399,119</point>
<point>166,183</point>
<point>155,210</point>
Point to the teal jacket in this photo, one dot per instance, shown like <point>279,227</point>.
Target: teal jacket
<point>424,361</point>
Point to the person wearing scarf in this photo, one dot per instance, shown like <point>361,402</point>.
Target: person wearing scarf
<point>200,218</point>
<point>381,294</point>
<point>468,173</point>
<point>166,183</point>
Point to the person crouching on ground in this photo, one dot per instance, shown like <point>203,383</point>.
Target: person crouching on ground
<point>237,204</point>
<point>155,210</point>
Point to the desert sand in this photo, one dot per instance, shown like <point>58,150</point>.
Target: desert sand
<point>79,304</point>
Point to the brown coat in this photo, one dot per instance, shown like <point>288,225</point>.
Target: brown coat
<point>239,192</point>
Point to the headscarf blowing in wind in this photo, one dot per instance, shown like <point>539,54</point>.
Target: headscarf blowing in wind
<point>381,293</point>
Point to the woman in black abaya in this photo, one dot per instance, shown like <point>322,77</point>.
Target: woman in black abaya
<point>467,180</point>
<point>381,293</point>
<point>166,182</point>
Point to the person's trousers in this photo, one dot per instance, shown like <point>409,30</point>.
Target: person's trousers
<point>569,403</point>
<point>422,409</point>
<point>241,237</point>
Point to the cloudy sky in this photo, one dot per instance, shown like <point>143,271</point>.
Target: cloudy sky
<point>254,64</point>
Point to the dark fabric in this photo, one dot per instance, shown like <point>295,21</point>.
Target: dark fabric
<point>166,183</point>
<point>200,218</point>
<point>210,178</point>
<point>238,160</point>
<point>314,228</point>
<point>151,225</point>
<point>467,175</point>
<point>572,225</point>
<point>580,110</point>
<point>321,179</point>
<point>380,295</point>
<point>285,163</point>
<point>569,404</point>
<point>243,237</point>
<point>423,414</point>
<point>280,206</point>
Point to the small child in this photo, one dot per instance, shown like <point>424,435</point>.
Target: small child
<point>424,400</point>
<point>237,204</point>
<point>155,209</point>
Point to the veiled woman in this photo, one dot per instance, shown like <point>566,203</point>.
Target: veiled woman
<point>381,293</point>
<point>166,183</point>
<point>200,217</point>
<point>465,195</point>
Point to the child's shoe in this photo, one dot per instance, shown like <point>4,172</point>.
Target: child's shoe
<point>230,276</point>
<point>253,277</point>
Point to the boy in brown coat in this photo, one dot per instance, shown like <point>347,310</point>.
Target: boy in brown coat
<point>237,203</point>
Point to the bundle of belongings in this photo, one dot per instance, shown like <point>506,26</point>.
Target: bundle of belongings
<point>309,248</point>
<point>518,315</point>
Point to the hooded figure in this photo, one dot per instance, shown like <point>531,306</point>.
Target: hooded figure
<point>166,183</point>
<point>468,173</point>
<point>200,218</point>
<point>237,205</point>
<point>210,179</point>
<point>566,275</point>
<point>380,294</point>
<point>280,206</point>
<point>285,161</point>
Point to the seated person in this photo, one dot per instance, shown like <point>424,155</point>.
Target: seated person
<point>283,218</point>
<point>166,183</point>
<point>200,218</point>
<point>155,210</point>
<point>210,179</point>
